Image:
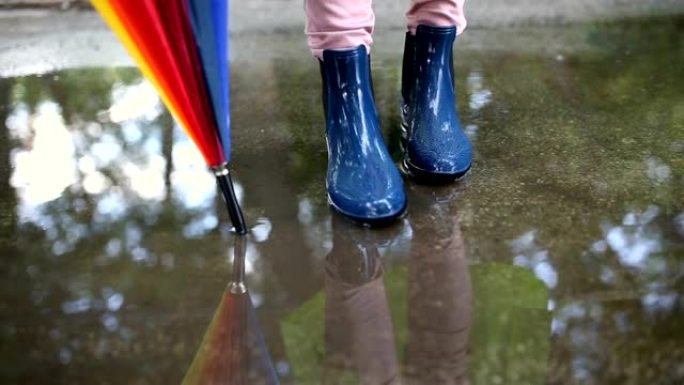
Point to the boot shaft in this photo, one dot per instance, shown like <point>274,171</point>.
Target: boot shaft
<point>436,148</point>
<point>433,58</point>
<point>347,84</point>
<point>427,54</point>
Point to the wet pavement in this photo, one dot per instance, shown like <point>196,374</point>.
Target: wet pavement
<point>559,260</point>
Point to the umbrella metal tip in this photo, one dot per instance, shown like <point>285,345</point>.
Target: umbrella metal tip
<point>241,231</point>
<point>237,287</point>
<point>220,170</point>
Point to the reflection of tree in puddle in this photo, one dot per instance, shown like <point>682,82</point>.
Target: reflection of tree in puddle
<point>8,219</point>
<point>119,137</point>
<point>580,182</point>
<point>576,192</point>
<point>78,264</point>
<point>631,281</point>
<point>135,224</point>
<point>637,275</point>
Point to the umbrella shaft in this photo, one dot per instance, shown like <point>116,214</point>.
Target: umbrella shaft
<point>225,184</point>
<point>237,284</point>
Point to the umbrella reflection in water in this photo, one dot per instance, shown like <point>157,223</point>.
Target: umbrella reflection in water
<point>233,351</point>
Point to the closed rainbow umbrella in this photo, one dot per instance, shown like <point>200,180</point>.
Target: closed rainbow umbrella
<point>181,46</point>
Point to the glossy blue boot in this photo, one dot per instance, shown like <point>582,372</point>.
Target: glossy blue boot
<point>363,182</point>
<point>436,150</point>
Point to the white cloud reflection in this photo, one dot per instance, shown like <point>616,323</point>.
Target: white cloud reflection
<point>318,234</point>
<point>656,170</point>
<point>634,241</point>
<point>44,169</point>
<point>147,180</point>
<point>191,181</point>
<point>529,254</point>
<point>679,223</point>
<point>53,158</point>
<point>135,101</point>
<point>18,122</point>
<point>479,96</point>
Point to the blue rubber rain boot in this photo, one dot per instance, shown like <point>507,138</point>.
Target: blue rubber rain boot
<point>436,148</point>
<point>363,182</point>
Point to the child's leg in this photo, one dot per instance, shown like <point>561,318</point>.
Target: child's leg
<point>338,24</point>
<point>436,13</point>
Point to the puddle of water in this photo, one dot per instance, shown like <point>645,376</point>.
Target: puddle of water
<point>559,260</point>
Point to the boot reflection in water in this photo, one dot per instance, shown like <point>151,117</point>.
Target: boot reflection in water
<point>440,292</point>
<point>359,336</point>
<point>363,182</point>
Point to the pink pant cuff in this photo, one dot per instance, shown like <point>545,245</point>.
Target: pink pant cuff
<point>442,13</point>
<point>338,24</point>
<point>341,24</point>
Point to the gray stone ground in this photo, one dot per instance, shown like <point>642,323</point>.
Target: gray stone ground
<point>35,40</point>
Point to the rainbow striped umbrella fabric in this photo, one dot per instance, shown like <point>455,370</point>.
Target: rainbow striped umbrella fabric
<point>181,46</point>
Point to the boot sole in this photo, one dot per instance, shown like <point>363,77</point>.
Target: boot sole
<point>431,178</point>
<point>370,222</point>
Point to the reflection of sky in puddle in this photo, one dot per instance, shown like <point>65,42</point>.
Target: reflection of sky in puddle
<point>262,230</point>
<point>634,241</point>
<point>117,169</point>
<point>53,158</point>
<point>318,234</point>
<point>630,251</point>
<point>613,281</point>
<point>479,97</point>
<point>191,182</point>
<point>679,223</point>
<point>47,167</point>
<point>528,254</point>
<point>656,170</point>
<point>133,102</point>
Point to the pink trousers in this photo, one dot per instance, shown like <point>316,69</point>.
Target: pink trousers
<point>339,24</point>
